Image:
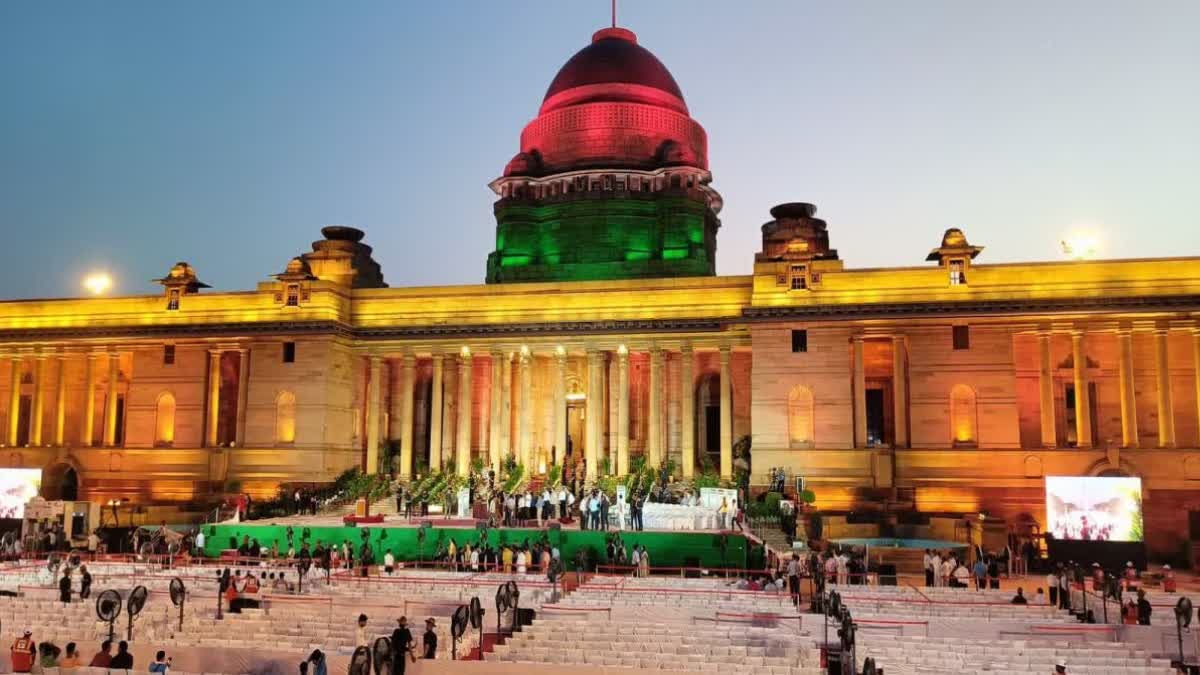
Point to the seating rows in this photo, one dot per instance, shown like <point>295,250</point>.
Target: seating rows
<point>918,654</point>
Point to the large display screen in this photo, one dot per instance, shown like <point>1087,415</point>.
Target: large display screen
<point>1094,508</point>
<point>17,487</point>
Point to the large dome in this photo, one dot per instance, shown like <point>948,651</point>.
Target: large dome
<point>613,105</point>
<point>614,67</point>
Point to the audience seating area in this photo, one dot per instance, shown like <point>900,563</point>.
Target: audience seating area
<point>658,623</point>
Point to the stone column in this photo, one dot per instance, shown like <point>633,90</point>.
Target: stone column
<point>595,362</point>
<point>1196,367</point>
<point>212,410</point>
<point>408,377</point>
<point>506,402</point>
<point>1129,424</point>
<point>726,415</point>
<point>526,419</point>
<point>560,405</point>
<point>88,433</point>
<point>860,393</point>
<point>654,416</point>
<point>374,403</point>
<point>435,414</point>
<point>899,392</point>
<point>1083,409</point>
<point>462,445</point>
<point>495,403</point>
<point>110,400</point>
<point>1046,391</point>
<point>243,395</point>
<point>60,403</point>
<point>622,411</point>
<point>687,400</point>
<point>1166,410</point>
<point>14,400</point>
<point>39,401</point>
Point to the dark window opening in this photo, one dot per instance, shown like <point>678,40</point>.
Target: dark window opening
<point>173,299</point>
<point>962,337</point>
<point>289,352</point>
<point>293,295</point>
<point>799,341</point>
<point>168,355</point>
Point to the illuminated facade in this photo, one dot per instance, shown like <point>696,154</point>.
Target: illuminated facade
<point>951,386</point>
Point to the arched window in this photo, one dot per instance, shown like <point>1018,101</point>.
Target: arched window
<point>800,417</point>
<point>964,422</point>
<point>285,417</point>
<point>164,420</point>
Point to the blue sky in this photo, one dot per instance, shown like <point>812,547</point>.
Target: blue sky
<point>135,134</point>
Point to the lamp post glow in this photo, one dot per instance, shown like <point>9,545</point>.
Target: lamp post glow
<point>98,283</point>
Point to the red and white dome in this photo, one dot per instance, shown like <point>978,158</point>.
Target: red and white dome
<point>612,105</point>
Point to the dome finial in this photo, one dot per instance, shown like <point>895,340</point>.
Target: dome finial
<point>614,13</point>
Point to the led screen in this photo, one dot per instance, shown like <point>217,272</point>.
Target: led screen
<point>17,487</point>
<point>1094,509</point>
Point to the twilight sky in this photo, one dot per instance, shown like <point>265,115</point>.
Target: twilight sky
<point>135,134</point>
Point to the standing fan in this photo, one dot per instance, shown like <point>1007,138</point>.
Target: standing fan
<point>381,651</point>
<point>475,609</point>
<point>133,606</point>
<point>108,608</point>
<point>458,626</point>
<point>52,563</point>
<point>178,595</point>
<point>360,662</point>
<point>1183,619</point>
<point>503,604</point>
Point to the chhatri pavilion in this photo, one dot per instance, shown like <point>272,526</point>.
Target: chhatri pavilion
<point>603,333</point>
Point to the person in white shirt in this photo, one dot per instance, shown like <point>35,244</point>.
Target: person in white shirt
<point>927,565</point>
<point>389,562</point>
<point>620,511</point>
<point>962,576</point>
<point>947,570</point>
<point>843,568</point>
<point>521,561</point>
<point>584,513</point>
<point>1039,598</point>
<point>475,560</point>
<point>361,636</point>
<point>636,560</point>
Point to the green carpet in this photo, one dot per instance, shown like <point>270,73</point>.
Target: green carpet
<point>667,549</point>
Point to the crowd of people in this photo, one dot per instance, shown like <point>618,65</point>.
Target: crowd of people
<point>29,656</point>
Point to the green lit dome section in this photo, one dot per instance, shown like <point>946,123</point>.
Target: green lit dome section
<point>611,181</point>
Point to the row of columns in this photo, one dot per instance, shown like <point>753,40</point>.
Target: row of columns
<point>503,405</point>
<point>1128,399</point>
<point>37,432</point>
<point>212,407</point>
<point>899,391</point>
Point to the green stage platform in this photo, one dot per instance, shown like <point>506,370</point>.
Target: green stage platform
<point>667,549</point>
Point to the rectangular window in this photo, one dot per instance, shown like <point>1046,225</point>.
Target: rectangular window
<point>289,352</point>
<point>173,299</point>
<point>168,355</point>
<point>799,341</point>
<point>962,337</point>
<point>293,295</point>
<point>799,277</point>
<point>958,276</point>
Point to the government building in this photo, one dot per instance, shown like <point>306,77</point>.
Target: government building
<point>604,333</point>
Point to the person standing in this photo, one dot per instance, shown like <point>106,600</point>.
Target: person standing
<point>993,571</point>
<point>430,639</point>
<point>980,573</point>
<point>64,587</point>
<point>603,522</point>
<point>361,637</point>
<point>1052,585</point>
<point>1143,608</point>
<point>644,569</point>
<point>927,563</point>
<point>793,578</point>
<point>402,646</point>
<point>636,560</point>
